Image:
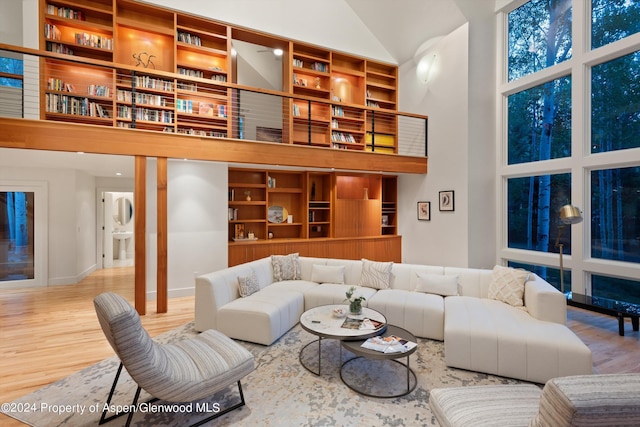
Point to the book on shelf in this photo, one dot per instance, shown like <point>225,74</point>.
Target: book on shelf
<point>354,323</point>
<point>390,344</point>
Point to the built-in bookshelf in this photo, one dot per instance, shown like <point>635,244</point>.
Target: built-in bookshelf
<point>335,88</point>
<point>79,28</point>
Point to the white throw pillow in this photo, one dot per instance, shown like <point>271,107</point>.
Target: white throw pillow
<point>327,273</point>
<point>376,275</point>
<point>285,267</point>
<point>248,284</point>
<point>437,284</point>
<point>507,285</point>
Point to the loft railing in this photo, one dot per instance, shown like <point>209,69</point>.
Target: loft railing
<point>99,93</point>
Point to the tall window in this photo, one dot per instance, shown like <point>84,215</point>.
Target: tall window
<point>572,135</point>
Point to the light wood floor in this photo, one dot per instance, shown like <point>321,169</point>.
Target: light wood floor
<point>50,333</point>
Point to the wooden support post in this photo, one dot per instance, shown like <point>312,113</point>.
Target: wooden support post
<point>140,224</point>
<point>162,285</point>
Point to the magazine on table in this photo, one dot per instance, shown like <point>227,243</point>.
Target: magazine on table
<point>352,323</point>
<point>390,344</point>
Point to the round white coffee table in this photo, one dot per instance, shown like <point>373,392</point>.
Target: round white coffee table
<point>321,321</point>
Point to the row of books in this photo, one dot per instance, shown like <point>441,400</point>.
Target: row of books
<point>52,32</point>
<point>59,48</point>
<point>141,98</point>
<point>185,37</point>
<point>316,66</point>
<point>201,132</point>
<point>65,12</point>
<point>99,90</point>
<point>190,73</point>
<point>59,85</point>
<point>94,40</point>
<point>160,116</point>
<point>342,137</point>
<point>76,106</point>
<point>233,214</point>
<point>152,83</point>
<point>204,108</point>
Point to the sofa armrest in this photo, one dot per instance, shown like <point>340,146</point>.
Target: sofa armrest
<point>214,290</point>
<point>544,302</point>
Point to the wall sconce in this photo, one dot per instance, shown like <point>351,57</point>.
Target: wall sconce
<point>426,59</point>
<point>569,215</point>
<point>426,66</point>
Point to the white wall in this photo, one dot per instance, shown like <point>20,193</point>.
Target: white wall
<point>85,226</point>
<point>197,223</point>
<point>444,239</point>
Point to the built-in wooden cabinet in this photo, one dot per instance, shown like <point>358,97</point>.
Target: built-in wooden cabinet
<point>319,206</point>
<point>339,100</point>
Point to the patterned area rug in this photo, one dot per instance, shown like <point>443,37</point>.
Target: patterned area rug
<point>280,392</point>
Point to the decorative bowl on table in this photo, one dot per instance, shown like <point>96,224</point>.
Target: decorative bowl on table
<point>339,312</point>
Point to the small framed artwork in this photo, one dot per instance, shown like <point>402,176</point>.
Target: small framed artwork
<point>446,200</point>
<point>424,211</point>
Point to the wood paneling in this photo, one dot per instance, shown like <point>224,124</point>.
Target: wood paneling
<point>380,248</point>
<point>162,269</point>
<point>58,136</point>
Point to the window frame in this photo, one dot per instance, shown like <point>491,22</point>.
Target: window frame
<point>579,164</point>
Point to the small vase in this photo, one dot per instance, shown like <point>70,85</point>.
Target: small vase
<point>355,309</point>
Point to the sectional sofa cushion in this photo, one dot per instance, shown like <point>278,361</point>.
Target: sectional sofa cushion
<point>285,267</point>
<point>262,317</point>
<point>490,336</point>
<point>421,314</point>
<point>437,284</point>
<point>507,285</point>
<point>327,273</point>
<point>376,275</point>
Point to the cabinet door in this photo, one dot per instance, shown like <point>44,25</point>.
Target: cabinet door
<point>357,218</point>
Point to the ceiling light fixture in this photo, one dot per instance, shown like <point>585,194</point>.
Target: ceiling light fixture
<point>278,52</point>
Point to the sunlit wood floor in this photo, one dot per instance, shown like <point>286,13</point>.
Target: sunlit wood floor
<point>49,333</point>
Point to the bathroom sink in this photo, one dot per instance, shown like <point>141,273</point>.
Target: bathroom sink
<point>122,235</point>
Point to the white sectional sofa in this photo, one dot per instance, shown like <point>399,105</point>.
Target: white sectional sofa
<point>482,334</point>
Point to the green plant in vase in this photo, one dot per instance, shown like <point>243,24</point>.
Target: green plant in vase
<point>355,304</point>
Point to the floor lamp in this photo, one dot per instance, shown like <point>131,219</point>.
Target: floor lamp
<point>569,214</point>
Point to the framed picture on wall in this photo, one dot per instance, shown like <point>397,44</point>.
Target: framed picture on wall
<point>446,200</point>
<point>424,211</point>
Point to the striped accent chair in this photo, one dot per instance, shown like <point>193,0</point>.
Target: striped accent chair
<point>580,400</point>
<point>184,371</point>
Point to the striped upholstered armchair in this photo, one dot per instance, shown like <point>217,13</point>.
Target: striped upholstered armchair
<point>580,400</point>
<point>183,371</point>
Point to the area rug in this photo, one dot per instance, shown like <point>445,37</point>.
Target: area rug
<point>279,392</point>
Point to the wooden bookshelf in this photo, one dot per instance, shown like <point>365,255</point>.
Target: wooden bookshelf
<point>335,87</point>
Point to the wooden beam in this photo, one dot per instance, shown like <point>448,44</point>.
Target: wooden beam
<point>60,136</point>
<point>140,231</point>
<point>162,284</point>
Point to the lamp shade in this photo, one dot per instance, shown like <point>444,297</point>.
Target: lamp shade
<point>570,214</point>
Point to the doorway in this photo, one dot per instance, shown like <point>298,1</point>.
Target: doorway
<point>116,233</point>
